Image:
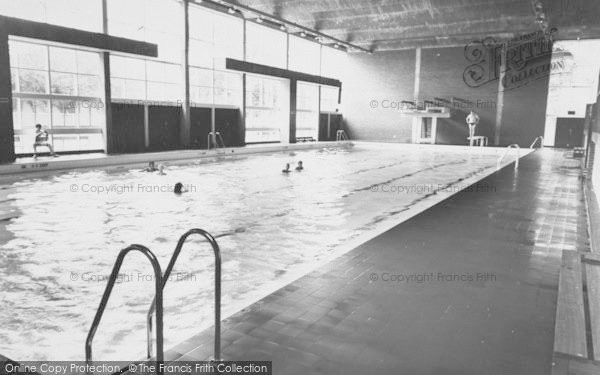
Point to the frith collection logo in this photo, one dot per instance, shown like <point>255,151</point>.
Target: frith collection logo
<point>528,58</point>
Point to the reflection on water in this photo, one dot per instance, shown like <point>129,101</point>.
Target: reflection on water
<point>57,254</point>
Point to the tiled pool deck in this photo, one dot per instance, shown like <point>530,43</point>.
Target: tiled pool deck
<point>345,318</point>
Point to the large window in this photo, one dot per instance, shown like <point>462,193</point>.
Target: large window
<point>307,110</point>
<point>154,21</point>
<point>333,62</point>
<point>213,87</point>
<point>213,38</point>
<point>305,56</point>
<point>136,79</point>
<point>60,88</point>
<point>329,99</point>
<point>267,109</point>
<point>77,14</point>
<point>266,46</point>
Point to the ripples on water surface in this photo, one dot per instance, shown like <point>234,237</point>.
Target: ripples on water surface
<point>270,225</point>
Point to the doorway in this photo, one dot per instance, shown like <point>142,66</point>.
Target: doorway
<point>569,132</point>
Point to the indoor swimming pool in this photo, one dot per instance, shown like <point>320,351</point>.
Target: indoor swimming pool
<point>58,250</point>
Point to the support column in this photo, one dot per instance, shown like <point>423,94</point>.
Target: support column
<point>293,102</point>
<point>500,99</point>
<point>109,134</point>
<point>110,141</point>
<point>185,126</point>
<point>7,135</point>
<point>416,121</point>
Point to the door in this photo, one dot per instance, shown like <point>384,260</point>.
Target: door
<point>200,120</point>
<point>163,125</point>
<point>569,132</point>
<point>127,133</point>
<point>227,122</point>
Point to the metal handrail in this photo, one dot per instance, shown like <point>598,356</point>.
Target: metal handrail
<point>541,139</point>
<point>514,145</point>
<point>341,135</point>
<point>214,137</point>
<point>165,278</point>
<point>156,303</point>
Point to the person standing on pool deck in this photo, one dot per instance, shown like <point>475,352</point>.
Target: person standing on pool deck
<point>472,121</point>
<point>41,139</point>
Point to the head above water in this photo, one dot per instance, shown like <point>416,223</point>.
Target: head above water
<point>151,164</point>
<point>178,188</point>
<point>38,126</point>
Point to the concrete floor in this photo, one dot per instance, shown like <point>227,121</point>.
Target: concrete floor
<point>503,237</point>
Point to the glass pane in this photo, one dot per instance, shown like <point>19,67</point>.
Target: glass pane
<point>14,80</point>
<point>201,53</point>
<point>63,83</point>
<point>31,56</point>
<point>329,99</point>
<point>201,95</point>
<point>308,97</point>
<point>16,113</point>
<point>88,86</point>
<point>97,113</point>
<point>64,113</point>
<point>65,142</point>
<point>333,62</point>
<point>266,46</point>
<point>34,112</point>
<point>89,63</point>
<point>124,67</point>
<point>305,56</point>
<point>201,24</point>
<point>90,142</point>
<point>63,60</point>
<point>117,87</point>
<point>155,91</point>
<point>33,81</point>
<point>135,89</point>
<point>155,71</point>
<point>84,114</point>
<point>201,77</point>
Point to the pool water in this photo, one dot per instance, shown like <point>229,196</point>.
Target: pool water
<point>57,252</point>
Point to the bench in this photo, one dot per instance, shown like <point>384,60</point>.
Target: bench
<point>573,337</point>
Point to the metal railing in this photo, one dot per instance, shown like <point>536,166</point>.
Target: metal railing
<point>165,278</point>
<point>514,145</point>
<point>157,303</point>
<point>541,139</point>
<point>341,136</point>
<point>214,138</point>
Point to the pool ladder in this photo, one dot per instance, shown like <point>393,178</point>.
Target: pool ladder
<point>157,302</point>
<point>341,136</point>
<point>514,145</point>
<point>541,139</point>
<point>214,138</point>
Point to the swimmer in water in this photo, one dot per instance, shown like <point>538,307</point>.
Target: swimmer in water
<point>287,168</point>
<point>179,188</point>
<point>300,167</point>
<point>150,168</point>
<point>161,170</point>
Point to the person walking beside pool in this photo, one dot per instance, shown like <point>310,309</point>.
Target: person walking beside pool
<point>472,121</point>
<point>41,139</point>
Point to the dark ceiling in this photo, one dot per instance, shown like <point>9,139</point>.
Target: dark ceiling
<point>399,24</point>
